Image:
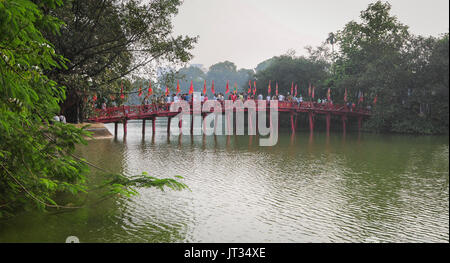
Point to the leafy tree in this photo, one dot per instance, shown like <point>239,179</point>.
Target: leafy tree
<point>188,74</point>
<point>242,78</point>
<point>378,57</point>
<point>36,157</point>
<point>220,72</point>
<point>263,65</point>
<point>104,41</point>
<point>287,69</point>
<point>437,72</point>
<point>227,71</point>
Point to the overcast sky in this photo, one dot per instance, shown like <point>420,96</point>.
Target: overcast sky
<point>247,32</point>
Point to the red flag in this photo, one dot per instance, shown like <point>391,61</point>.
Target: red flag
<point>212,88</point>
<point>309,90</point>
<point>313,88</point>
<point>235,88</point>
<point>121,91</point>
<point>254,88</point>
<point>295,90</point>
<point>329,94</point>
<point>178,87</point>
<point>204,88</point>
<point>249,87</point>
<point>94,98</point>
<point>375,100</point>
<point>150,91</point>
<point>292,88</point>
<point>345,95</point>
<point>276,88</point>
<point>167,91</point>
<point>191,89</point>
<point>227,88</point>
<point>361,98</point>
<point>140,91</point>
<point>268,90</point>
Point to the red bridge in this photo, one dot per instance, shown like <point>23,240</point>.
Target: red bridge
<point>122,114</point>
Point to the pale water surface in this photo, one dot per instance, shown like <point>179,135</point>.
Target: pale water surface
<point>357,188</point>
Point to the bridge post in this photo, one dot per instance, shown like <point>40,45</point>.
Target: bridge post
<point>153,125</point>
<point>256,121</point>
<point>344,118</point>
<point>359,123</point>
<point>328,119</point>
<point>311,122</point>
<point>168,124</point>
<point>228,124</point>
<point>192,123</point>
<point>203,123</point>
<point>292,122</point>
<point>215,123</point>
<point>250,123</point>
<point>296,119</point>
<point>115,128</point>
<point>270,121</point>
<point>125,127</point>
<point>143,127</point>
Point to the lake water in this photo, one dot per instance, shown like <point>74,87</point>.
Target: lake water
<point>357,188</point>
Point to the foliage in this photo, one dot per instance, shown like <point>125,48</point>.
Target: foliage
<point>36,156</point>
<point>220,72</point>
<point>107,40</point>
<point>377,58</point>
<point>119,184</point>
<point>408,74</point>
<point>263,65</point>
<point>287,69</point>
<point>186,75</point>
<point>227,71</point>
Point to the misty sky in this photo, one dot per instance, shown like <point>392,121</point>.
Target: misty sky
<point>247,32</point>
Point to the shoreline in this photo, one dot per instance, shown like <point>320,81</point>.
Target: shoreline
<point>99,131</point>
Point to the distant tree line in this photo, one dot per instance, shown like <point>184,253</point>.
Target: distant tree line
<point>108,41</point>
<point>401,76</point>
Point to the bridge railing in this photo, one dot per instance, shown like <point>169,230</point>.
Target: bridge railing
<point>106,113</point>
<point>149,109</point>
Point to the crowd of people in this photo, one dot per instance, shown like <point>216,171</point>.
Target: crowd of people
<point>221,97</point>
<point>161,102</point>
